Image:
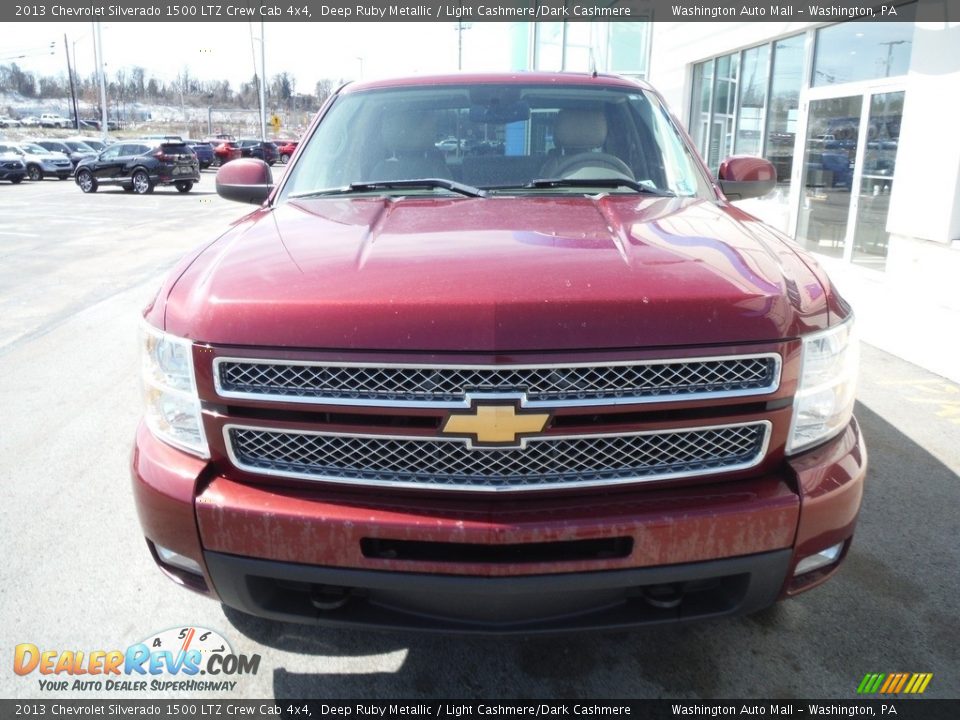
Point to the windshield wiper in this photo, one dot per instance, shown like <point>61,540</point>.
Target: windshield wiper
<point>375,185</point>
<point>598,183</point>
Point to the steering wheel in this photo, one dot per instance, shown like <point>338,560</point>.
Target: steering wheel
<point>570,164</point>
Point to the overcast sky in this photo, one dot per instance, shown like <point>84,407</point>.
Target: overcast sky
<point>309,51</point>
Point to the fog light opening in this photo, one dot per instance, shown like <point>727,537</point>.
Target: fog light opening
<point>663,597</point>
<point>329,597</point>
<point>820,560</point>
<point>175,559</point>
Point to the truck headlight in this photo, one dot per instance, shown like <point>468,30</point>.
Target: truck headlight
<point>825,395</point>
<point>172,406</point>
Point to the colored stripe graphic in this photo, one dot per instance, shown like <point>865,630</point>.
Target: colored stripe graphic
<point>899,685</point>
<point>894,683</point>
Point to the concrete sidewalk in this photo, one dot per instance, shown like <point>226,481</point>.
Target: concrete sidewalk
<point>914,318</point>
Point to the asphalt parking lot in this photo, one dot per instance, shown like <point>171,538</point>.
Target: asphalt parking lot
<point>74,272</point>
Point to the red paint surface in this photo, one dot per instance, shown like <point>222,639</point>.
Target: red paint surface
<point>496,275</point>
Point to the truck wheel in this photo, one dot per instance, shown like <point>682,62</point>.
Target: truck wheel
<point>284,158</point>
<point>141,183</point>
<point>17,180</point>
<point>86,181</point>
<point>34,172</point>
<point>183,186</point>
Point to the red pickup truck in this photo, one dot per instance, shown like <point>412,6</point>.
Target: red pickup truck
<point>554,381</point>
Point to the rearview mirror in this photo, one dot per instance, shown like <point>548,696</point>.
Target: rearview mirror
<point>246,180</point>
<point>498,113</point>
<point>744,176</point>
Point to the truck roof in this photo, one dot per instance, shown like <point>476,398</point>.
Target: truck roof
<point>519,78</point>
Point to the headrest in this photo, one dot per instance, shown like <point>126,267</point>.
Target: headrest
<point>580,128</point>
<point>409,131</point>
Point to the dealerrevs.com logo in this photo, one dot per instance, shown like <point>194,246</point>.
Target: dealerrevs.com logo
<point>179,659</point>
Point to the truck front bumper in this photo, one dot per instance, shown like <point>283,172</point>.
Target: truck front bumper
<point>499,565</point>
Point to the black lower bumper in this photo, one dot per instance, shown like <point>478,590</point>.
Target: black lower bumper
<point>526,604</point>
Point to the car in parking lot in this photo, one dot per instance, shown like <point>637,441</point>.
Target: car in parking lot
<point>12,167</point>
<point>204,152</point>
<point>265,151</point>
<point>138,166</point>
<point>93,143</point>
<point>285,149</point>
<point>568,385</point>
<point>224,151</point>
<point>74,150</point>
<point>52,120</point>
<point>39,161</point>
<point>450,145</point>
<point>6,121</point>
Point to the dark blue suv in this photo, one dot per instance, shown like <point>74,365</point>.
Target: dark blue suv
<point>265,151</point>
<point>204,153</point>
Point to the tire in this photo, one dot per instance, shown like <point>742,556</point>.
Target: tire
<point>285,158</point>
<point>183,186</point>
<point>17,180</point>
<point>141,183</point>
<point>86,181</point>
<point>34,173</point>
<point>216,162</point>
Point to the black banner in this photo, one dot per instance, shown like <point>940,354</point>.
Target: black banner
<point>902,709</point>
<point>479,10</point>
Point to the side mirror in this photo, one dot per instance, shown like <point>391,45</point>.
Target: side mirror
<point>743,176</point>
<point>245,180</point>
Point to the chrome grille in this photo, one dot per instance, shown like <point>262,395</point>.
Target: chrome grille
<point>451,386</point>
<point>544,462</point>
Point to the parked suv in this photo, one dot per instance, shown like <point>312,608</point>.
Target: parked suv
<point>204,152</point>
<point>285,149</point>
<point>568,385</point>
<point>73,149</point>
<point>224,151</point>
<point>140,165</point>
<point>39,161</point>
<point>265,151</point>
<point>12,168</point>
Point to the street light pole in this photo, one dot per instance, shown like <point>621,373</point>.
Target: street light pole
<point>263,75</point>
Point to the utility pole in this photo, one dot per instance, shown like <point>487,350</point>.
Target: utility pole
<point>98,51</point>
<point>73,91</point>
<point>890,44</point>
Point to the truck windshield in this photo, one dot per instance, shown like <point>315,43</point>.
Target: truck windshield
<point>502,139</point>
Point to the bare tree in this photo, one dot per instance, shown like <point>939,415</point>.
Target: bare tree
<point>323,90</point>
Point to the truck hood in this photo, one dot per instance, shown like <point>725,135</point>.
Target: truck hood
<point>495,275</point>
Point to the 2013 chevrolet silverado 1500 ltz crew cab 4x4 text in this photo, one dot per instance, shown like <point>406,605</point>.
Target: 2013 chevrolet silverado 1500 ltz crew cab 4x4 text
<point>551,380</point>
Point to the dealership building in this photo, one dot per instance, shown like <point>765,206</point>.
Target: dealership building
<point>857,117</point>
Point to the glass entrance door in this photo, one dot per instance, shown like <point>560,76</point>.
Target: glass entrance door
<point>833,130</point>
<point>876,179</point>
<point>850,152</point>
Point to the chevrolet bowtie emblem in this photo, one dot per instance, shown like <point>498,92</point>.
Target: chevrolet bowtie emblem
<point>495,424</point>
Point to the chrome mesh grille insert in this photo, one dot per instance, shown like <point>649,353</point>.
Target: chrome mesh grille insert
<point>544,462</point>
<point>411,385</point>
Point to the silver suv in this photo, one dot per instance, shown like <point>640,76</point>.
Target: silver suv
<point>39,161</point>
